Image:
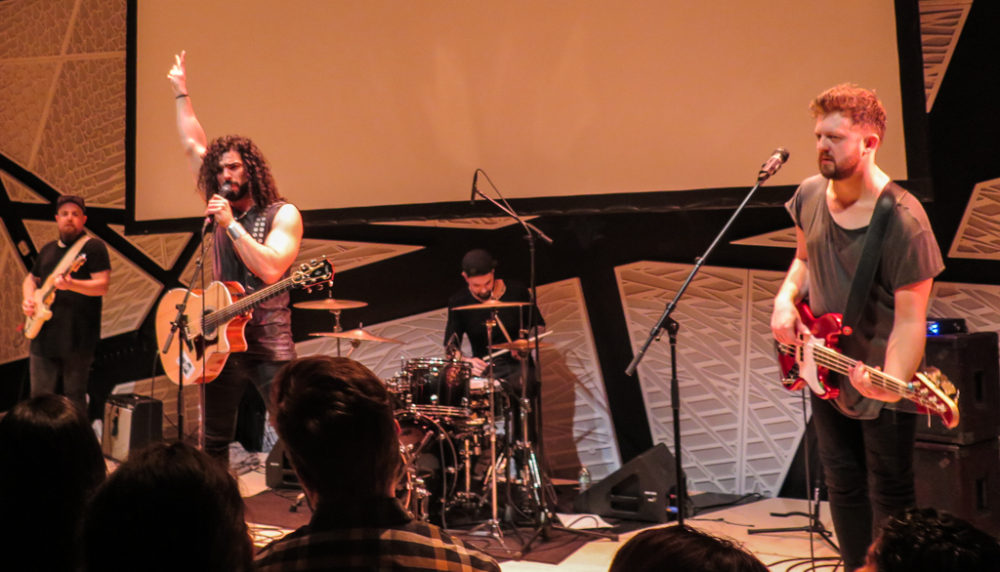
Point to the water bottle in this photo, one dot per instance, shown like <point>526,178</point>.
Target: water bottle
<point>584,478</point>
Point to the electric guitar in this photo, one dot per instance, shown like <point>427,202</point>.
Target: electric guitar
<point>210,339</point>
<point>808,364</point>
<point>44,296</point>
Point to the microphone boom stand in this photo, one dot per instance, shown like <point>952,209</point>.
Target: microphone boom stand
<point>668,323</point>
<point>545,514</point>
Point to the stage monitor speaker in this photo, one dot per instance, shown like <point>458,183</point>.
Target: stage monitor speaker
<point>963,480</point>
<point>971,363</point>
<point>278,471</point>
<point>640,490</point>
<point>131,422</point>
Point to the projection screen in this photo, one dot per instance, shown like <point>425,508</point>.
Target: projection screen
<point>383,103</point>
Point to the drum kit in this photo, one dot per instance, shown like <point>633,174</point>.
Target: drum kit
<point>449,421</point>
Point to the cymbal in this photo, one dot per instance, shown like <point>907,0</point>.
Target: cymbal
<point>330,304</point>
<point>356,335</point>
<point>520,345</point>
<point>491,304</point>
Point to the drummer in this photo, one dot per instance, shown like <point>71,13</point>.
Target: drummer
<point>482,285</point>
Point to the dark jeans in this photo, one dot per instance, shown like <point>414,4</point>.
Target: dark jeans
<point>223,396</point>
<point>74,370</point>
<point>868,470</point>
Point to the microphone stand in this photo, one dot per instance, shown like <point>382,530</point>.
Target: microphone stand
<point>180,325</point>
<point>545,514</point>
<point>671,326</point>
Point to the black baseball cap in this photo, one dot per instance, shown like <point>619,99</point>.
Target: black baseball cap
<point>75,199</point>
<point>478,262</point>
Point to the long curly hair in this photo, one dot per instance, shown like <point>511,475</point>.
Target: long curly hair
<point>263,189</point>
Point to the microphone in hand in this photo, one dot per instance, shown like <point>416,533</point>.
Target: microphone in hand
<point>773,163</point>
<point>225,192</point>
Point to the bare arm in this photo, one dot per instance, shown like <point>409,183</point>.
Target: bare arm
<point>191,133</point>
<point>906,341</point>
<point>269,260</point>
<point>785,323</point>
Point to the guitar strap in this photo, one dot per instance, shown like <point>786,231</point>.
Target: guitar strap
<point>871,253</point>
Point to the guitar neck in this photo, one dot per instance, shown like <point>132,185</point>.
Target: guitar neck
<point>833,360</point>
<point>223,315</point>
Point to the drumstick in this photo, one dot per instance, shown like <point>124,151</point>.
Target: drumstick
<point>499,353</point>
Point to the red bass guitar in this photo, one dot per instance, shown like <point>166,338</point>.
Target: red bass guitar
<point>809,362</point>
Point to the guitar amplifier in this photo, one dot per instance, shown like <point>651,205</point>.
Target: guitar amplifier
<point>131,422</point>
<point>963,480</point>
<point>972,363</point>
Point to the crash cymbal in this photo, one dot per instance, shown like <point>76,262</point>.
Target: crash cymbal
<point>356,335</point>
<point>520,345</point>
<point>331,304</point>
<point>491,304</point>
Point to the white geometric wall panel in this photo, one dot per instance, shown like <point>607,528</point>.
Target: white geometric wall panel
<point>978,235</point>
<point>18,192</point>
<point>131,293</point>
<point>13,345</point>
<point>576,418</point>
<point>784,238</point>
<point>739,426</point>
<point>941,23</point>
<point>482,223</point>
<point>978,304</point>
<point>347,254</point>
<point>577,424</point>
<point>163,249</point>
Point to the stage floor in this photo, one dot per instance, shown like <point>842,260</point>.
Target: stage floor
<point>785,551</point>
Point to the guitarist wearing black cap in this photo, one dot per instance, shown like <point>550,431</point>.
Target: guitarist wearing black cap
<point>62,303</point>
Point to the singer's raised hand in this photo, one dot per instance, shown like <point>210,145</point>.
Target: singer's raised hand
<point>178,76</point>
<point>191,133</point>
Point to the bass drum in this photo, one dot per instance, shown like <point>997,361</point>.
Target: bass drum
<point>442,474</point>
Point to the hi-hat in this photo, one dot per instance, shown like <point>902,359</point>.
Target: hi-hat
<point>491,304</point>
<point>331,304</point>
<point>358,335</point>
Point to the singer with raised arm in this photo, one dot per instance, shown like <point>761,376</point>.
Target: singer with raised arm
<point>482,288</point>
<point>256,239</point>
<point>865,433</point>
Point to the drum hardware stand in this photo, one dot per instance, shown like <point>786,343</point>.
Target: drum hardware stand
<point>666,322</point>
<point>545,517</point>
<point>493,524</point>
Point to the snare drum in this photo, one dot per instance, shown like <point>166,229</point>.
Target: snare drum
<point>437,386</point>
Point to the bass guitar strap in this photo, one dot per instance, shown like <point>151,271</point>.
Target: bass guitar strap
<point>871,253</point>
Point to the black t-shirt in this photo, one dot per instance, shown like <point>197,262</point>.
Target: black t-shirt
<point>75,325</point>
<point>472,323</point>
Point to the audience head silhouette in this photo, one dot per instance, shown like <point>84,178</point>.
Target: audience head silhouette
<point>168,507</point>
<point>50,464</point>
<point>336,419</point>
<point>682,549</point>
<point>925,540</point>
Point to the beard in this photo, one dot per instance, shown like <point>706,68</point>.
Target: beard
<point>69,235</point>
<point>839,171</point>
<point>241,191</point>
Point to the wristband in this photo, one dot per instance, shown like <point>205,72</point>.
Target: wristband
<point>181,95</point>
<point>235,231</point>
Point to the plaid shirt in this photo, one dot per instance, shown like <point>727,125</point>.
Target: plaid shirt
<point>384,538</point>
